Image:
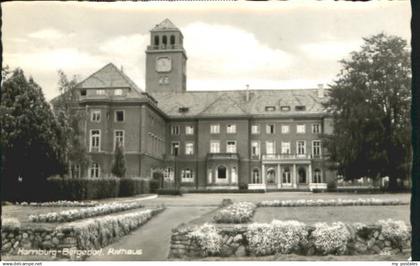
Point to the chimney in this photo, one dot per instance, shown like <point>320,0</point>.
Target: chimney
<point>321,90</point>
<point>122,68</point>
<point>247,96</point>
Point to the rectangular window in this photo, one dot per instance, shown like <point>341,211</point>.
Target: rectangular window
<point>285,108</point>
<point>118,138</point>
<point>175,130</point>
<point>269,147</point>
<point>187,175</point>
<point>301,147</point>
<point>95,116</point>
<point>285,129</point>
<point>285,148</point>
<point>214,146</point>
<point>189,148</point>
<point>119,116</point>
<point>118,92</point>
<point>95,140</point>
<point>231,129</point>
<point>300,129</point>
<point>75,171</point>
<point>316,128</point>
<point>83,92</point>
<point>316,148</point>
<point>231,147</point>
<point>269,129</point>
<point>94,170</point>
<point>100,92</point>
<point>255,129</point>
<point>175,148</point>
<point>189,130</point>
<point>215,129</point>
<point>255,148</point>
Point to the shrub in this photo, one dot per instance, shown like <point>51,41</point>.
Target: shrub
<point>331,239</point>
<point>154,185</point>
<point>83,188</point>
<point>332,186</point>
<point>278,237</point>
<point>394,231</point>
<point>169,191</point>
<point>61,203</point>
<point>240,212</point>
<point>133,186</point>
<point>208,239</point>
<point>10,224</point>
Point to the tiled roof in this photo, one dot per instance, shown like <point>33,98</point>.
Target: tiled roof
<point>234,103</point>
<point>108,77</point>
<point>165,25</point>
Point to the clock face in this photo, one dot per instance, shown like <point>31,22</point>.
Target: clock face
<point>163,64</point>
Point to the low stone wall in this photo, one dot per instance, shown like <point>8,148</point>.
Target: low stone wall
<point>232,240</point>
<point>73,240</point>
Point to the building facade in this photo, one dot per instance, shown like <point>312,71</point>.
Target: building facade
<point>266,139</point>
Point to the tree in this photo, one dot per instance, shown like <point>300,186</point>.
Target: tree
<point>70,116</point>
<point>370,104</point>
<point>118,168</point>
<point>30,149</point>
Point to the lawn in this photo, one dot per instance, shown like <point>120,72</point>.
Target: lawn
<point>347,214</point>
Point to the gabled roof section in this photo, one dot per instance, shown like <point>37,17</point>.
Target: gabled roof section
<point>234,103</point>
<point>223,105</point>
<point>108,77</point>
<point>165,25</point>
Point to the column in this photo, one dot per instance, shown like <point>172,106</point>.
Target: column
<point>278,176</point>
<point>310,173</point>
<point>294,181</point>
<point>263,174</point>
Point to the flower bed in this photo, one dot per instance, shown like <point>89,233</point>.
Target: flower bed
<point>83,236</point>
<point>60,203</point>
<point>278,237</point>
<point>284,237</point>
<point>240,212</point>
<point>76,214</point>
<point>330,202</point>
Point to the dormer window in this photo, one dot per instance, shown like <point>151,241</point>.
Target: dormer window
<point>285,108</point>
<point>270,108</point>
<point>100,92</point>
<point>300,107</point>
<point>83,92</point>
<point>118,92</point>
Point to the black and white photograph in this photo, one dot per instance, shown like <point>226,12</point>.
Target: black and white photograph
<point>208,131</point>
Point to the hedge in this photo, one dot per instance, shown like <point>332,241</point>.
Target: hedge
<point>98,188</point>
<point>134,186</point>
<point>169,191</point>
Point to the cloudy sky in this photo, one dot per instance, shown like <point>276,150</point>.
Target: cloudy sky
<point>270,45</point>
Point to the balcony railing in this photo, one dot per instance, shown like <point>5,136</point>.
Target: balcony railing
<point>222,156</point>
<point>164,47</point>
<point>276,157</point>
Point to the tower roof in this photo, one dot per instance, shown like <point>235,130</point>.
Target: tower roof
<point>165,25</point>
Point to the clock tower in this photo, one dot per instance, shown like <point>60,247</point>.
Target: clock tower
<point>166,59</point>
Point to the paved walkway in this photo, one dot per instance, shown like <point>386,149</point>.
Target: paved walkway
<point>153,237</point>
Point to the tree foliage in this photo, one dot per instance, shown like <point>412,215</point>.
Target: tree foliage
<point>118,167</point>
<point>30,136</point>
<point>70,117</point>
<point>370,103</point>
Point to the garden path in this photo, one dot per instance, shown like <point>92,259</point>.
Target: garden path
<point>153,237</point>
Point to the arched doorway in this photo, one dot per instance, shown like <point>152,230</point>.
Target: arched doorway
<point>286,176</point>
<point>221,172</point>
<point>271,176</point>
<point>302,175</point>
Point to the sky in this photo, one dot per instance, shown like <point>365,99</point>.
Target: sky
<point>268,45</point>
